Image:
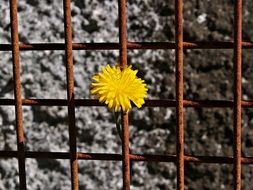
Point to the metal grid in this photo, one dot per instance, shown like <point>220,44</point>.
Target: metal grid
<point>180,158</point>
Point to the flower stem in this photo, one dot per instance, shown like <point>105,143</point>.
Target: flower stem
<point>118,124</point>
<point>117,120</point>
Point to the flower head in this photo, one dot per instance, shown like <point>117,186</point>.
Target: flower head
<point>118,88</point>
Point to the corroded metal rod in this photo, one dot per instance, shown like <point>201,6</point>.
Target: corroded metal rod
<point>133,157</point>
<point>237,92</point>
<point>148,103</point>
<point>17,93</point>
<point>124,116</point>
<point>179,93</point>
<point>70,93</point>
<point>130,45</point>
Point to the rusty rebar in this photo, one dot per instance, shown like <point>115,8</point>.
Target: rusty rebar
<point>130,45</point>
<point>179,93</point>
<point>17,93</point>
<point>124,116</point>
<point>148,103</point>
<point>133,157</point>
<point>70,93</point>
<point>237,92</point>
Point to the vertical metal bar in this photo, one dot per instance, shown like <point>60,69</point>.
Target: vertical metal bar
<point>124,116</point>
<point>70,93</point>
<point>125,152</point>
<point>122,33</point>
<point>237,92</point>
<point>179,94</point>
<point>17,93</point>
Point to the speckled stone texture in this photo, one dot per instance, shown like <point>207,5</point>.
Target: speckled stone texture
<point>208,74</point>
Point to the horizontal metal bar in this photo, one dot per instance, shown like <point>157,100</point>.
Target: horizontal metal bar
<point>130,45</point>
<point>133,157</point>
<point>148,103</point>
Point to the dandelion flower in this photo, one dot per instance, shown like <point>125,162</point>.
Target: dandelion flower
<point>118,88</point>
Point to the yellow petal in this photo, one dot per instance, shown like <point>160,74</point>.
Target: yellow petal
<point>118,87</point>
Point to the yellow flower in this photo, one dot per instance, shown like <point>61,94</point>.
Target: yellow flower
<point>117,88</point>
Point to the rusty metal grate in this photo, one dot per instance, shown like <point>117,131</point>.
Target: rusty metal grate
<point>180,158</point>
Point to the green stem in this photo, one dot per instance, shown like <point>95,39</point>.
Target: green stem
<point>118,125</point>
<point>117,120</point>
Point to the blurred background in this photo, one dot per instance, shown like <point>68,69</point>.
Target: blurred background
<point>208,75</point>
